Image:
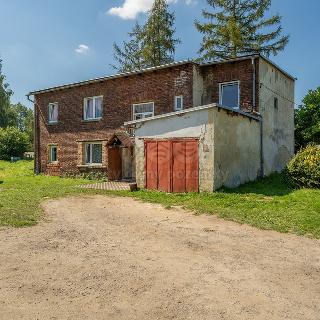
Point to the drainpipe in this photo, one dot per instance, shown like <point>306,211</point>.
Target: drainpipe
<point>261,149</point>
<point>261,119</point>
<point>36,143</point>
<point>253,83</point>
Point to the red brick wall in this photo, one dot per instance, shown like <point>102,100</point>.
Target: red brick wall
<point>213,75</point>
<point>119,94</point>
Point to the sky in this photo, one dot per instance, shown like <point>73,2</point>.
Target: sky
<point>53,42</point>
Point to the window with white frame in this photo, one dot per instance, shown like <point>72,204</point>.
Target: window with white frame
<point>53,153</point>
<point>143,110</point>
<point>93,153</point>
<point>53,112</point>
<point>93,108</point>
<point>230,94</point>
<point>178,103</point>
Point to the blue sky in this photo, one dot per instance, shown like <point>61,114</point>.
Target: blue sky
<point>52,42</point>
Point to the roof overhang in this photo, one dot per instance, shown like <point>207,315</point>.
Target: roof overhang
<point>152,69</point>
<point>190,110</point>
<point>118,75</point>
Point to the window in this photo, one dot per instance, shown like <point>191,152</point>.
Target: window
<point>275,102</point>
<point>178,103</point>
<point>93,153</point>
<point>230,94</point>
<point>143,110</point>
<point>53,154</point>
<point>93,108</point>
<point>53,112</point>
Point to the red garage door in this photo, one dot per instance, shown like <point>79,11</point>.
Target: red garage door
<point>172,165</point>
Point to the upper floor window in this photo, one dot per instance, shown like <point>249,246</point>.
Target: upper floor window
<point>230,94</point>
<point>93,108</point>
<point>143,110</point>
<point>53,112</point>
<point>93,153</point>
<point>53,154</point>
<point>178,103</point>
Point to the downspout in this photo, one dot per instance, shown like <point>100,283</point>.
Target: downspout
<point>261,119</point>
<point>35,136</point>
<point>253,84</point>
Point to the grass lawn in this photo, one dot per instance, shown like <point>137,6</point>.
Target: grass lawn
<point>21,192</point>
<point>266,204</point>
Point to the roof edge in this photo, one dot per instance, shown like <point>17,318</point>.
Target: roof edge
<point>117,75</point>
<point>251,56</point>
<point>194,109</point>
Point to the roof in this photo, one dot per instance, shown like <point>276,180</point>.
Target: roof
<point>189,110</point>
<point>125,138</point>
<point>146,70</point>
<point>118,75</point>
<point>250,57</point>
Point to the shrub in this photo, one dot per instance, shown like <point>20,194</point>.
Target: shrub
<point>304,169</point>
<point>92,175</point>
<point>13,143</point>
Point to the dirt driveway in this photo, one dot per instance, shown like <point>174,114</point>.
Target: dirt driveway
<point>115,258</point>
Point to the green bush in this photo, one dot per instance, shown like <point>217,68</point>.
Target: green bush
<point>13,143</point>
<point>304,169</point>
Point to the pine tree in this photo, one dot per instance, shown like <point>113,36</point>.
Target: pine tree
<point>149,45</point>
<point>240,28</point>
<point>129,57</point>
<point>6,115</point>
<point>158,35</point>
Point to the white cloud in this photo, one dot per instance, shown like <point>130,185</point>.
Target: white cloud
<point>82,49</point>
<point>131,8</point>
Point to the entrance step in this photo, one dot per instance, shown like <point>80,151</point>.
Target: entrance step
<point>111,185</point>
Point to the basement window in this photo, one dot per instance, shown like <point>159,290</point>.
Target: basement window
<point>53,154</point>
<point>178,103</point>
<point>230,94</point>
<point>93,153</point>
<point>53,112</point>
<point>93,108</point>
<point>143,110</point>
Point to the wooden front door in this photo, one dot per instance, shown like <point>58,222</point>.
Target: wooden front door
<point>114,163</point>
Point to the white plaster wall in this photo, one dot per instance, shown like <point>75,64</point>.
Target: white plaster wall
<point>278,124</point>
<point>197,124</point>
<point>229,145</point>
<point>197,86</point>
<point>236,149</point>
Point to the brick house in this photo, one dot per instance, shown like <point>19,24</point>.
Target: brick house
<point>79,127</point>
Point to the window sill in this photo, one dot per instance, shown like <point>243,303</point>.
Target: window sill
<point>55,163</point>
<point>91,120</point>
<point>53,123</point>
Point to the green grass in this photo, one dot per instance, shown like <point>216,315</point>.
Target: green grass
<point>21,192</point>
<point>266,204</point>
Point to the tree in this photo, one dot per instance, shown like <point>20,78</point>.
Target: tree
<point>307,120</point>
<point>129,57</point>
<point>13,143</point>
<point>150,45</point>
<point>6,116</point>
<point>158,35</point>
<point>240,28</point>
<point>23,120</point>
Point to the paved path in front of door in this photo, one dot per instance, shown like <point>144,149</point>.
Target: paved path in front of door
<point>111,185</point>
